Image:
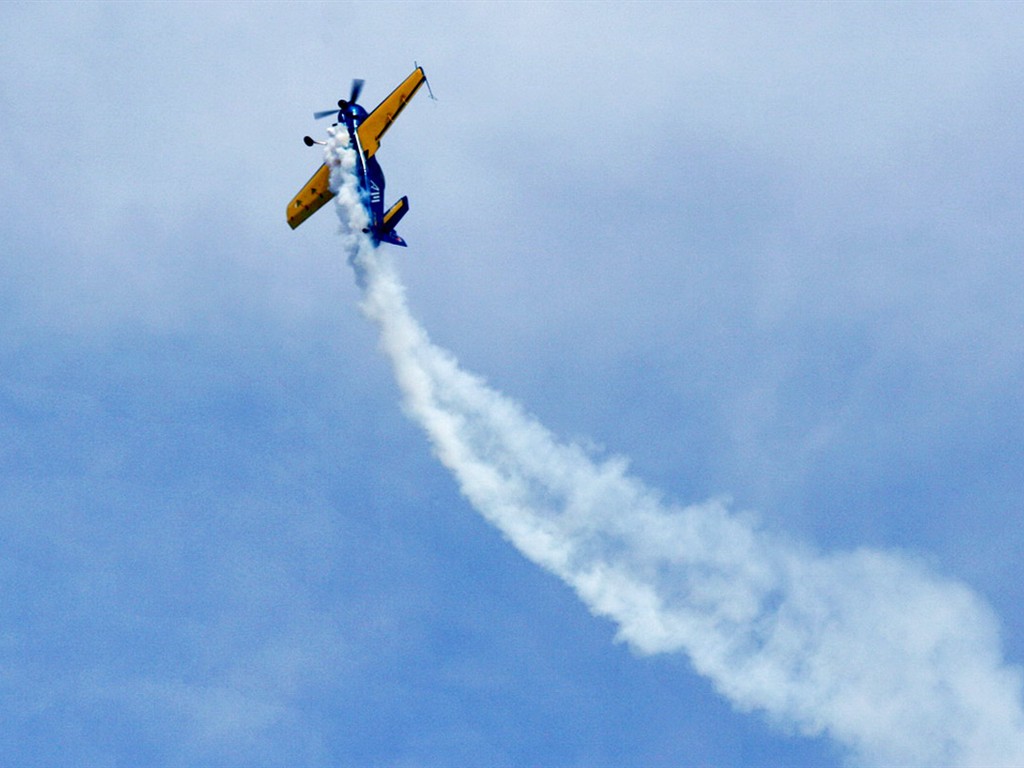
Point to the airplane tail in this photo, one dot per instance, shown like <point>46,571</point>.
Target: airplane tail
<point>394,215</point>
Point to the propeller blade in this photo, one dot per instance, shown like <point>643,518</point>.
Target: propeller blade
<point>357,88</point>
<point>325,113</point>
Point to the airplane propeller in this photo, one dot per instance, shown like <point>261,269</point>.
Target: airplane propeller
<point>357,88</point>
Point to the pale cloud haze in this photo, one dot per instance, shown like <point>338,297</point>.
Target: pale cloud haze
<point>767,253</point>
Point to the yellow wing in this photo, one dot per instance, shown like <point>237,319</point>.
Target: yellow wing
<point>312,197</point>
<point>378,121</point>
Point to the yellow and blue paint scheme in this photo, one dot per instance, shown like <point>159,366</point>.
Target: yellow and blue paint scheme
<point>365,132</point>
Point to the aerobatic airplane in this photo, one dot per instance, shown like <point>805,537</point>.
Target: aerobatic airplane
<point>364,131</point>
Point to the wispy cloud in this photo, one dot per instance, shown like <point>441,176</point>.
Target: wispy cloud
<point>896,663</point>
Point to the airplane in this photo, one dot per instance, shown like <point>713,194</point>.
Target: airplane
<point>365,131</point>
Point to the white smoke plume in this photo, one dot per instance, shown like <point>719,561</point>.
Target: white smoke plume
<point>899,665</point>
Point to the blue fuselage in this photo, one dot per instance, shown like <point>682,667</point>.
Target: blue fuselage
<point>371,176</point>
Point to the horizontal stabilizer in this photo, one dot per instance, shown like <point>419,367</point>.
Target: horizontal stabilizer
<point>393,238</point>
<point>394,215</point>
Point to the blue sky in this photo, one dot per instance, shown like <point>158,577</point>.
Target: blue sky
<point>764,252</point>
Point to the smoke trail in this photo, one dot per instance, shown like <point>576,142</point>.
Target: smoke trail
<point>899,665</point>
